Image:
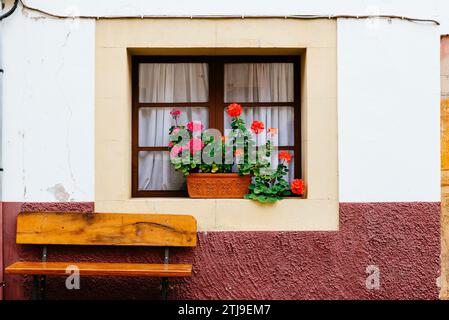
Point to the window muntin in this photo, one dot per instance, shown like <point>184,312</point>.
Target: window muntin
<point>269,90</point>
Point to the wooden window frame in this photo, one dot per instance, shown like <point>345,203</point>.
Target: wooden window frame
<point>215,104</point>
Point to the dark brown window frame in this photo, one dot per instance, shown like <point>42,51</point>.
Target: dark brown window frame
<point>215,104</point>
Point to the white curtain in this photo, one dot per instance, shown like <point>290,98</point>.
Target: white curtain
<point>155,122</point>
<point>173,82</point>
<point>264,82</point>
<point>157,173</point>
<point>177,82</point>
<point>259,82</point>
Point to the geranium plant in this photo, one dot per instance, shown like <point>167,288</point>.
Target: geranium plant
<point>193,150</point>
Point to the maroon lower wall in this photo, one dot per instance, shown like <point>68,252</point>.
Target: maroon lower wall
<point>402,239</point>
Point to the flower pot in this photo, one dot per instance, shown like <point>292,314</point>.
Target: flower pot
<point>217,185</point>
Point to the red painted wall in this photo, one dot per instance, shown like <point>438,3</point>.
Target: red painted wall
<point>402,239</point>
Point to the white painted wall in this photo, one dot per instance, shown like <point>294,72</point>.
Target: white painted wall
<point>388,95</point>
<point>48,99</point>
<point>389,125</point>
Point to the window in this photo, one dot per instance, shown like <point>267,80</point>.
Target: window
<point>202,87</point>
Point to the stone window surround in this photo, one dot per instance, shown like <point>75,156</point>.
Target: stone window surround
<point>315,41</point>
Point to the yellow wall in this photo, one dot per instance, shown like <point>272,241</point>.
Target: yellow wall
<point>117,40</point>
<point>445,167</point>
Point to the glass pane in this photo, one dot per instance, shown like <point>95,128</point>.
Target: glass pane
<point>154,123</point>
<point>281,119</point>
<point>173,82</point>
<point>258,82</point>
<point>157,173</point>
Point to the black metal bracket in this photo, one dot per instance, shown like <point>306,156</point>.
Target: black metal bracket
<point>165,279</point>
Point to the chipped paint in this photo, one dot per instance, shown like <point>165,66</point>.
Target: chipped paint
<point>59,192</point>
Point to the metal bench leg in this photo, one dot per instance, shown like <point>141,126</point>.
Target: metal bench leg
<point>43,287</point>
<point>165,280</point>
<point>164,288</point>
<point>39,287</point>
<point>36,288</point>
<point>40,281</point>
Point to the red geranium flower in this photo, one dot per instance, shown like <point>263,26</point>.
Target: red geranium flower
<point>257,127</point>
<point>272,131</point>
<point>175,113</point>
<point>298,186</point>
<point>195,126</point>
<point>284,155</point>
<point>234,110</point>
<point>238,152</point>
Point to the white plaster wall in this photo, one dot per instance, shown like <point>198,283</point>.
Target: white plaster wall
<point>388,94</point>
<point>389,124</point>
<point>48,99</point>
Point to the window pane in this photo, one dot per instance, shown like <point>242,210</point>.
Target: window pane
<point>258,82</point>
<point>157,173</point>
<point>154,123</point>
<point>173,82</point>
<point>280,118</point>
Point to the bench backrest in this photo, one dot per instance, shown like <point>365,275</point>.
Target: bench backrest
<point>118,229</point>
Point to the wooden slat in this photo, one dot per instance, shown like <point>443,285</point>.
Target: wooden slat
<point>74,228</point>
<point>101,269</point>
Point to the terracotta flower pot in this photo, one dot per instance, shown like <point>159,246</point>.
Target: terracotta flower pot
<point>217,185</point>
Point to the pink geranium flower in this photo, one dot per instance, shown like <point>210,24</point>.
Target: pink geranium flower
<point>175,151</point>
<point>195,145</point>
<point>194,126</point>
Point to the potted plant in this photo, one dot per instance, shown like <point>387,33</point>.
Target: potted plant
<point>208,160</point>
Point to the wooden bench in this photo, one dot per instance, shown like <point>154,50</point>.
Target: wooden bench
<point>110,229</point>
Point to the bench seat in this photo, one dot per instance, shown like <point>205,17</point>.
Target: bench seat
<point>101,269</point>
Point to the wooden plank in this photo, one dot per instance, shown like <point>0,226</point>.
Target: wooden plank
<point>101,269</point>
<point>74,228</point>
